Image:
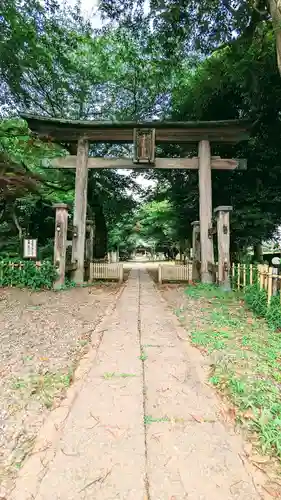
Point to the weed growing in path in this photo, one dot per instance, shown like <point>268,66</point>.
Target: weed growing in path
<point>45,387</point>
<point>151,345</point>
<point>148,419</point>
<point>109,375</point>
<point>143,356</point>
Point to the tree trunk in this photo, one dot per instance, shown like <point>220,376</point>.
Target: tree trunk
<point>258,253</point>
<point>19,229</point>
<point>275,12</point>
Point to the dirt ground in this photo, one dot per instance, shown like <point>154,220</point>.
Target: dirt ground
<point>43,336</point>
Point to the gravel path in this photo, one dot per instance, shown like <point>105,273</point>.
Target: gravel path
<point>143,425</point>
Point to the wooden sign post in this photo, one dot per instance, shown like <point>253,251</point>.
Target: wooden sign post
<point>223,233</point>
<point>60,242</point>
<point>196,257</point>
<point>30,248</point>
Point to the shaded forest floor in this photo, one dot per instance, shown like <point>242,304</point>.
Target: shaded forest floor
<point>241,358</point>
<point>43,336</point>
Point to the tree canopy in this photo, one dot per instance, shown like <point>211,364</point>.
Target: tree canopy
<point>186,60</point>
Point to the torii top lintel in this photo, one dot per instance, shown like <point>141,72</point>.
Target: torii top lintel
<point>62,130</point>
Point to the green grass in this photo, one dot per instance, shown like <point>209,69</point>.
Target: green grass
<point>208,291</point>
<point>247,366</point>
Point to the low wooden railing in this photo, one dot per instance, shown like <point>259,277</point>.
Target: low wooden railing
<point>175,272</point>
<point>266,277</point>
<point>105,271</point>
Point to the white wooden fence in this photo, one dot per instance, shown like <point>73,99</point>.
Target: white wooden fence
<point>104,271</point>
<point>174,272</point>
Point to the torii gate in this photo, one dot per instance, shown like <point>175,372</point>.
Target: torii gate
<point>144,136</point>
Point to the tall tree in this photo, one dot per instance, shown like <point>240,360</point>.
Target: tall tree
<point>192,25</point>
<point>236,82</point>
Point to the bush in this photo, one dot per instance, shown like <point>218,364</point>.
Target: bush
<point>256,300</point>
<point>27,274</point>
<point>273,313</point>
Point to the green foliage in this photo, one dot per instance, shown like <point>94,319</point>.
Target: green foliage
<point>273,313</point>
<point>189,25</point>
<point>212,340</point>
<point>234,84</point>
<point>27,274</point>
<point>152,224</point>
<point>199,290</point>
<point>256,300</point>
<point>52,63</point>
<point>157,222</point>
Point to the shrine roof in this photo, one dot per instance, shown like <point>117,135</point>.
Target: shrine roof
<point>64,130</point>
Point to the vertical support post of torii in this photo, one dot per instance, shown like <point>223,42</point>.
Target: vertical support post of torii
<point>196,253</point>
<point>60,242</point>
<point>80,210</point>
<point>90,247</point>
<point>223,233</point>
<point>205,211</point>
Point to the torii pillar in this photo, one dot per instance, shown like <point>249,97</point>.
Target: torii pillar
<point>205,211</point>
<point>80,210</point>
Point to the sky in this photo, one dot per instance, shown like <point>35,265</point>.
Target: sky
<point>89,9</point>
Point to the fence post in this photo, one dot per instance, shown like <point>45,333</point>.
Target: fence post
<point>60,242</point>
<point>269,286</point>
<point>223,232</point>
<point>238,276</point>
<point>260,275</point>
<point>160,274</point>
<point>251,274</point>
<point>121,274</point>
<point>244,276</point>
<point>274,280</point>
<point>196,250</point>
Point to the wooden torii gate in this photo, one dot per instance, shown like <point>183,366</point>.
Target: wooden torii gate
<point>144,136</point>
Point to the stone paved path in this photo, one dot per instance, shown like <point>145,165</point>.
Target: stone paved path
<point>144,426</point>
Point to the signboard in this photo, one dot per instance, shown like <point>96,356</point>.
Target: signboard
<point>144,146</point>
<point>276,261</point>
<point>29,249</point>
